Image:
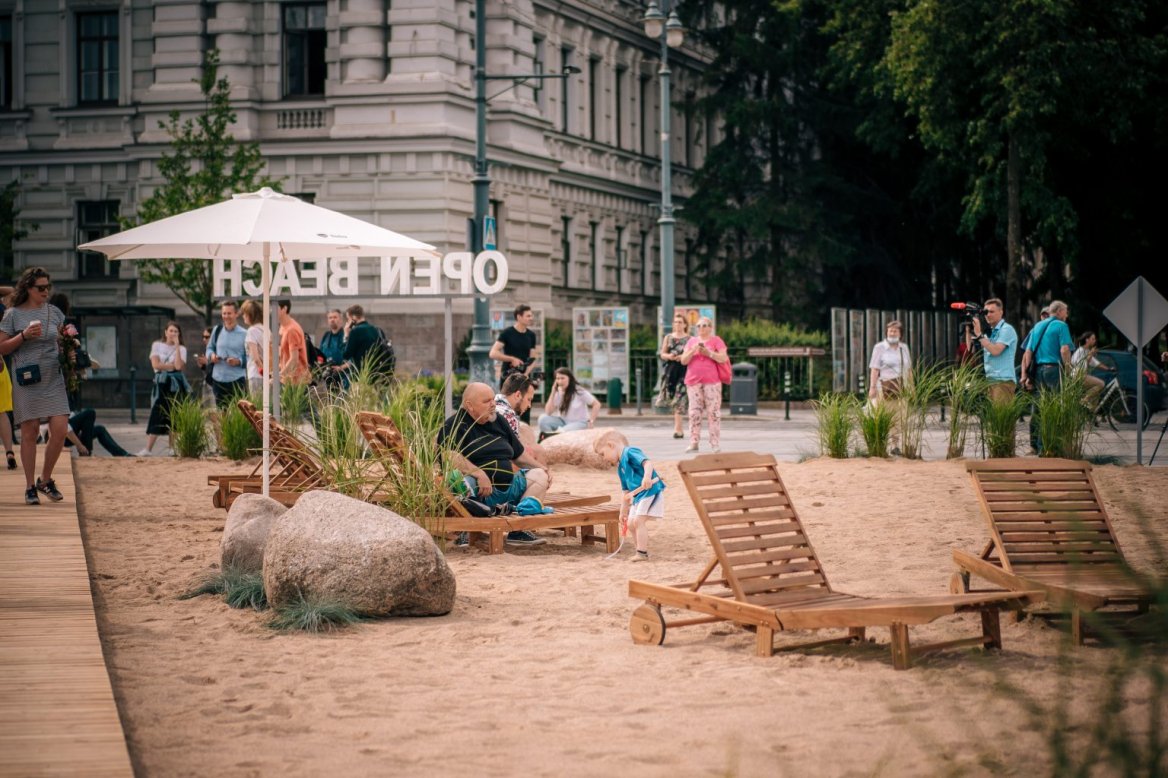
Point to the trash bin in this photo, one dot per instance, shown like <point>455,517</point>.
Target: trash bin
<point>743,389</point>
<point>615,396</point>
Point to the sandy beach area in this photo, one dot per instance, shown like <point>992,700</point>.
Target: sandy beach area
<point>534,672</point>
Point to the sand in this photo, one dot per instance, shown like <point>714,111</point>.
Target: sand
<point>534,671</point>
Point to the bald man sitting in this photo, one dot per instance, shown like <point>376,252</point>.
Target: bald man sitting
<point>484,447</point>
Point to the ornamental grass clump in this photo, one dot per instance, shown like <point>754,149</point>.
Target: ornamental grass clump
<point>999,424</point>
<point>239,588</point>
<point>293,404</point>
<point>964,390</point>
<point>835,415</point>
<point>237,438</point>
<point>189,425</point>
<point>413,487</point>
<point>310,614</point>
<point>924,389</point>
<point>1063,418</point>
<point>875,420</point>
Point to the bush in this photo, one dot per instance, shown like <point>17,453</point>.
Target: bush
<point>188,425</point>
<point>764,332</point>
<point>875,421</point>
<point>237,438</point>
<point>1063,418</point>
<point>835,414</point>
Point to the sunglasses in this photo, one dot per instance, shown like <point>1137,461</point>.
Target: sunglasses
<point>705,325</point>
<point>42,287</point>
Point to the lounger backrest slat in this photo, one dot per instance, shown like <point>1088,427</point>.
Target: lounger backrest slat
<point>753,528</point>
<point>1045,513</point>
<point>301,471</point>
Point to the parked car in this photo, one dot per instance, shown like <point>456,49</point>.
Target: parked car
<point>1125,362</point>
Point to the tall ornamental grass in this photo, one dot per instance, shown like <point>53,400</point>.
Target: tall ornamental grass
<point>999,424</point>
<point>924,389</point>
<point>190,426</point>
<point>237,438</point>
<point>414,488</point>
<point>875,421</point>
<point>1063,418</point>
<point>835,415</point>
<point>964,390</point>
<point>293,404</point>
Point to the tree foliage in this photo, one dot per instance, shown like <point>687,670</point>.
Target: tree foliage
<point>205,166</point>
<point>10,229</point>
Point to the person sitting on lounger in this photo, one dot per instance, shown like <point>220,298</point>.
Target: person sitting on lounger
<point>485,448</point>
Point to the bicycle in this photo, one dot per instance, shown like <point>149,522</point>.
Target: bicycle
<point>1115,407</point>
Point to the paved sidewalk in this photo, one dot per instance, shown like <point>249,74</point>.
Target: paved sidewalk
<point>768,432</point>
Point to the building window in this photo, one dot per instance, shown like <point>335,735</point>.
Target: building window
<point>565,91</point>
<point>5,62</point>
<point>689,128</point>
<point>97,58</point>
<point>304,44</point>
<point>537,67</point>
<point>96,219</point>
<point>620,259</point>
<point>566,248</point>
<point>646,117</point>
<point>597,255</point>
<point>618,88</point>
<point>594,87</point>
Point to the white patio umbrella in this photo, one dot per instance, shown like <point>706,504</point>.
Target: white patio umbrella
<point>266,227</point>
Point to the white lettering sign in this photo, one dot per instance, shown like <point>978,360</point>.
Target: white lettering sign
<point>459,273</point>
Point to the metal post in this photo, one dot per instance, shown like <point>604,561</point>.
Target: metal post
<point>448,355</point>
<point>639,374</point>
<point>666,220</point>
<point>1139,371</point>
<point>787,394</point>
<point>480,341</point>
<point>133,394</point>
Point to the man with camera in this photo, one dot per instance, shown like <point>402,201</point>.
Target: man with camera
<point>515,347</point>
<point>998,344</point>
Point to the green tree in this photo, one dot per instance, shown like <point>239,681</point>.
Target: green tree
<point>205,166</point>
<point>10,230</point>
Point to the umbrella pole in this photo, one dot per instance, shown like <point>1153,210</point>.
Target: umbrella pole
<point>266,281</point>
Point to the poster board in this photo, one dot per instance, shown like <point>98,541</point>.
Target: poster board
<point>101,342</point>
<point>600,348</point>
<point>692,313</point>
<point>501,319</point>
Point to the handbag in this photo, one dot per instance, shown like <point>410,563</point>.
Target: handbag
<point>724,371</point>
<point>81,359</point>
<point>28,375</point>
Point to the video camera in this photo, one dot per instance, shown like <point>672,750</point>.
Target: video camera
<point>536,375</point>
<point>968,311</point>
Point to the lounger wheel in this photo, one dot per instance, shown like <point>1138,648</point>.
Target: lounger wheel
<point>647,625</point>
<point>959,583</point>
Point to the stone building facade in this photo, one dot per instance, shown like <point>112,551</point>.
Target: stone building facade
<point>367,107</point>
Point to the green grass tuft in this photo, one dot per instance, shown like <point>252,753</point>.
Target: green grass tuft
<point>245,590</point>
<point>1063,418</point>
<point>189,425</point>
<point>237,438</point>
<point>308,614</point>
<point>210,583</point>
<point>835,414</point>
<point>875,421</point>
<point>999,424</point>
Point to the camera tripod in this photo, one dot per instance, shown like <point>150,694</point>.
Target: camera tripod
<point>1158,442</point>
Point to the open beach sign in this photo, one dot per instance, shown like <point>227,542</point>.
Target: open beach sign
<point>457,274</point>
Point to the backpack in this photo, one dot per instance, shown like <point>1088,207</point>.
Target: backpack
<point>384,360</point>
<point>315,356</point>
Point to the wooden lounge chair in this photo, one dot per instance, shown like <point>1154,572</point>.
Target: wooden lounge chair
<point>772,580</point>
<point>294,469</point>
<point>1049,532</point>
<point>387,442</point>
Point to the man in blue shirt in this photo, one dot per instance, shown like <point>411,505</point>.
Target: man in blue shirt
<point>998,346</point>
<point>227,353</point>
<point>1049,347</point>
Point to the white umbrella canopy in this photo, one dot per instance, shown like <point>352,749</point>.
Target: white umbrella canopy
<point>261,226</point>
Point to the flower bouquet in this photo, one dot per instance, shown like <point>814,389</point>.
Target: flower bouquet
<point>68,345</point>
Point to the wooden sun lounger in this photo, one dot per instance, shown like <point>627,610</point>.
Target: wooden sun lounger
<point>1049,532</point>
<point>772,580</point>
<point>387,443</point>
<point>294,470</point>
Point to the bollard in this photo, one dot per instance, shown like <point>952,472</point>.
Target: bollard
<point>615,390</point>
<point>787,394</point>
<point>639,376</point>
<point>133,395</point>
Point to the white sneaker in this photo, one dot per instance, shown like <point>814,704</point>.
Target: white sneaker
<point>692,448</point>
<point>640,556</point>
<point>145,453</point>
<point>717,449</point>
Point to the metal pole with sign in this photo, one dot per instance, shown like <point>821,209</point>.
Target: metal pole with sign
<point>1139,312</point>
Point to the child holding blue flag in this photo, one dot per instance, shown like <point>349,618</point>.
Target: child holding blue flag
<point>642,487</point>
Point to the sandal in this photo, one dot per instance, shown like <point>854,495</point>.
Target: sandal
<point>11,460</point>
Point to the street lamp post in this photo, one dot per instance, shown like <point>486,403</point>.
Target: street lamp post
<point>480,341</point>
<point>661,23</point>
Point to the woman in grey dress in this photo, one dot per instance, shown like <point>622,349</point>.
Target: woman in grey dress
<point>29,332</point>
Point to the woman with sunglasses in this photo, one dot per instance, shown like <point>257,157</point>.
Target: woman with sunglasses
<point>703,382</point>
<point>29,332</point>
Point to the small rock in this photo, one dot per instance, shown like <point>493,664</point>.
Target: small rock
<point>246,532</point>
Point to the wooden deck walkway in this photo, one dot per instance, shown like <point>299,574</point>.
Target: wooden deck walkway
<point>57,710</point>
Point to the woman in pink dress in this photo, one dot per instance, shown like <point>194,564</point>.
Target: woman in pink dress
<point>702,356</point>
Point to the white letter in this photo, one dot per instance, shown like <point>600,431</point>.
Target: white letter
<point>395,275</point>
<point>312,272</point>
<point>480,272</point>
<point>426,267</point>
<point>343,276</point>
<point>227,277</point>
<point>285,276</point>
<point>252,288</point>
<point>457,265</point>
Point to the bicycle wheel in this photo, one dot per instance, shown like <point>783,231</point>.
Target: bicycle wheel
<point>1115,410</point>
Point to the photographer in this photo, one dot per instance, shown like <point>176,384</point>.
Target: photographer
<point>998,344</point>
<point>515,348</point>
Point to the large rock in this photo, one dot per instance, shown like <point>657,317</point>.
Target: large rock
<point>246,533</point>
<point>341,550</point>
<point>574,448</point>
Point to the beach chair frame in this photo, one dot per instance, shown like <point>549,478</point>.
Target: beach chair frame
<point>772,581</point>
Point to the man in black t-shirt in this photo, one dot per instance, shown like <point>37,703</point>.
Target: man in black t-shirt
<point>360,338</point>
<point>515,346</point>
<point>484,447</point>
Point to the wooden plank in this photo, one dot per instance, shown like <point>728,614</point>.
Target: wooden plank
<point>730,519</point>
<point>1043,496</point>
<point>1073,558</point>
<point>1058,536</point>
<point>57,710</point>
<point>779,584</point>
<point>1043,506</point>
<point>1031,487</point>
<point>787,533</point>
<point>1058,547</point>
<point>1031,524</point>
<point>747,504</point>
<point>801,550</point>
<point>757,571</point>
<point>756,556</point>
